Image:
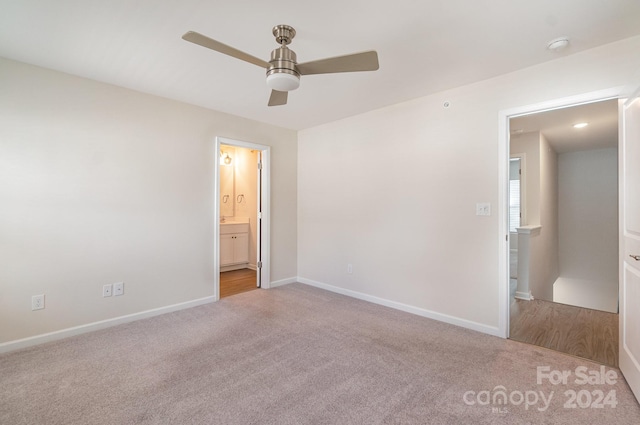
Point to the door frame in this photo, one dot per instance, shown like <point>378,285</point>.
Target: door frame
<point>264,238</point>
<point>503,188</point>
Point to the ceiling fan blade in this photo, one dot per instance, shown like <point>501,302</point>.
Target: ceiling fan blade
<point>365,61</point>
<point>278,98</point>
<point>209,43</point>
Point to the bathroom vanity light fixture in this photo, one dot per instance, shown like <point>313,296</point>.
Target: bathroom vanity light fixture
<point>225,159</point>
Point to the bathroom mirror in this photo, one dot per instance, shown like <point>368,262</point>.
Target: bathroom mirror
<point>227,177</point>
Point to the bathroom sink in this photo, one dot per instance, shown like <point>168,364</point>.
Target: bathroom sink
<point>236,221</point>
<point>234,227</point>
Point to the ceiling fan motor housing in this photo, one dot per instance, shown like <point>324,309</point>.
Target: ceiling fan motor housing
<point>282,74</point>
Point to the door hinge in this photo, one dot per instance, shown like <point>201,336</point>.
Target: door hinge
<point>260,215</point>
<point>506,238</point>
<point>259,264</point>
<point>260,165</point>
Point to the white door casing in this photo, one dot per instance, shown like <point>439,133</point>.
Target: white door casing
<point>264,192</point>
<point>503,192</point>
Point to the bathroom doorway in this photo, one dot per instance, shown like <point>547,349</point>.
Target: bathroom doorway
<point>563,257</point>
<point>516,219</point>
<point>241,236</point>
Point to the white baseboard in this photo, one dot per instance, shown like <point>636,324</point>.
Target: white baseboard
<point>523,296</point>
<point>90,327</point>
<point>281,282</point>
<point>235,267</point>
<point>479,327</point>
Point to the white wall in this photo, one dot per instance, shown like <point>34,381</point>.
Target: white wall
<point>541,206</point>
<point>246,182</point>
<point>100,184</point>
<point>588,215</point>
<point>393,191</point>
<point>529,145</point>
<point>546,265</point>
<point>227,183</point>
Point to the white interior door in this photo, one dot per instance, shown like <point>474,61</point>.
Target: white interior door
<point>630,242</point>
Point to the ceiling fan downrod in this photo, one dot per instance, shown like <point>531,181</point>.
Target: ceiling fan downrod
<point>282,74</point>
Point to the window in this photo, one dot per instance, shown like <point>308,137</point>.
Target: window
<point>514,194</point>
<point>514,205</point>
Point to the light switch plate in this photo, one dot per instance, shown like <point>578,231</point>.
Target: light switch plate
<point>483,208</point>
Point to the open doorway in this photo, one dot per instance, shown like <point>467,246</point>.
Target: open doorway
<point>563,256</point>
<point>242,211</point>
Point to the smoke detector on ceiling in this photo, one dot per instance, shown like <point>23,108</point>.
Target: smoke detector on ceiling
<point>558,44</point>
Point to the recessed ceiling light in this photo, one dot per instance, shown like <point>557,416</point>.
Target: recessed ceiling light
<point>558,44</point>
<point>581,125</point>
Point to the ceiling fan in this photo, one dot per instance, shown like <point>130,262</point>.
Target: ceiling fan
<point>283,71</point>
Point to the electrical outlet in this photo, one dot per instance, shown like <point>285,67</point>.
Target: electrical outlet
<point>37,302</point>
<point>118,289</point>
<point>107,290</point>
<point>349,268</point>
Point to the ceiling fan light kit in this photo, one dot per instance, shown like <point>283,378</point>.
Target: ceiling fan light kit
<point>283,81</point>
<point>283,70</point>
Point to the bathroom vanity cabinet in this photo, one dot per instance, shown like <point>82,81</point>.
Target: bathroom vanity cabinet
<point>234,244</point>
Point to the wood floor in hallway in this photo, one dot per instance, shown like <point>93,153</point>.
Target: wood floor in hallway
<point>581,332</point>
<point>237,281</point>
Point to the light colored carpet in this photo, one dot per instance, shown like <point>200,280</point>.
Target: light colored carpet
<point>294,355</point>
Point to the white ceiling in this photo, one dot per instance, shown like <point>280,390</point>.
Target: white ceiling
<point>557,126</point>
<point>424,46</point>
